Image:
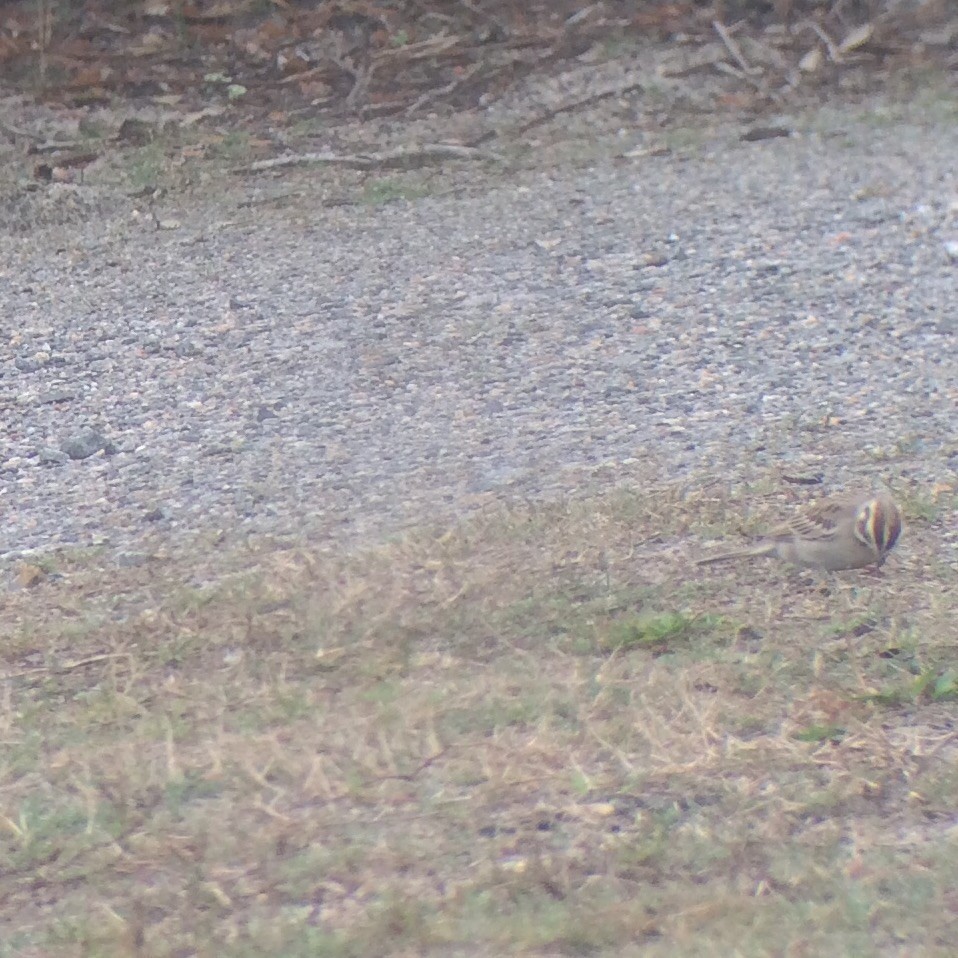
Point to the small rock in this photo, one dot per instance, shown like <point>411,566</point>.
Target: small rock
<point>812,62</point>
<point>136,132</point>
<point>756,133</point>
<point>133,560</point>
<point>86,443</point>
<point>48,455</point>
<point>55,396</point>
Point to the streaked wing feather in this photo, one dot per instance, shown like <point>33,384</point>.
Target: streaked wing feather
<point>818,522</point>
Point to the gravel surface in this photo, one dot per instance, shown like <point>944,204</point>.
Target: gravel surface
<point>728,309</point>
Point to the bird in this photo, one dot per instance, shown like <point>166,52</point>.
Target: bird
<point>850,531</point>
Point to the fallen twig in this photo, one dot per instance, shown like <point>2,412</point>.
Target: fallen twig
<point>578,105</point>
<point>450,87</point>
<point>833,53</point>
<point>430,47</point>
<point>54,146</point>
<point>15,131</point>
<point>733,49</point>
<point>67,666</point>
<point>402,157</point>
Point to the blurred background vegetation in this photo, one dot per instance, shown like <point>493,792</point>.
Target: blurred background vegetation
<point>374,54</point>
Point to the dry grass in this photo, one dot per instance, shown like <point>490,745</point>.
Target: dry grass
<point>544,732</point>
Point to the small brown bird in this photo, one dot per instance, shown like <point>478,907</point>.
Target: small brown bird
<point>848,532</point>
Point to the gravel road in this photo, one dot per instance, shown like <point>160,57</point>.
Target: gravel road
<point>726,309</point>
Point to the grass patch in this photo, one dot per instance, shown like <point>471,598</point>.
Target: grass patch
<point>379,192</point>
<point>661,632</point>
<point>542,732</point>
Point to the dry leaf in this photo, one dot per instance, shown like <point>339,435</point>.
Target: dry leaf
<point>812,61</point>
<point>857,38</point>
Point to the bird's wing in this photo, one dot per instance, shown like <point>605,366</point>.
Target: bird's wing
<point>817,522</point>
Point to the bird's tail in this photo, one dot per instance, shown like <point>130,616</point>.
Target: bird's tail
<point>765,549</point>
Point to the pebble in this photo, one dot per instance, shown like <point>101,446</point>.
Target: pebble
<point>86,443</point>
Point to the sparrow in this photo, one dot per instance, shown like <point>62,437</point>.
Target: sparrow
<point>847,532</point>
